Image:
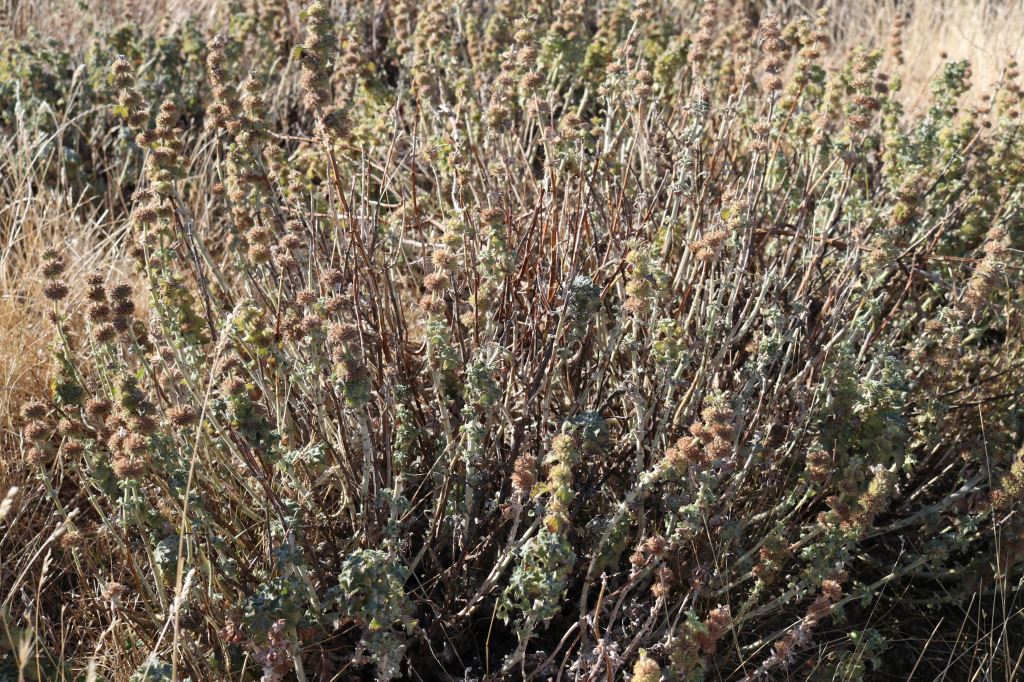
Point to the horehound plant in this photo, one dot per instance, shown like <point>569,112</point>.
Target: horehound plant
<point>592,340</point>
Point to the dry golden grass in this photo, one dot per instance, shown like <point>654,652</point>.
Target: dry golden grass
<point>987,33</point>
<point>32,218</point>
<point>72,20</point>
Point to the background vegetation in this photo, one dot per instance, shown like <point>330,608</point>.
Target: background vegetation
<point>444,340</point>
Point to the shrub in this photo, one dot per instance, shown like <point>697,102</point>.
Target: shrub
<point>506,341</point>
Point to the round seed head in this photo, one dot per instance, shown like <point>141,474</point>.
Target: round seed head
<point>55,290</point>
<point>33,409</point>
<point>182,415</point>
<point>53,267</point>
